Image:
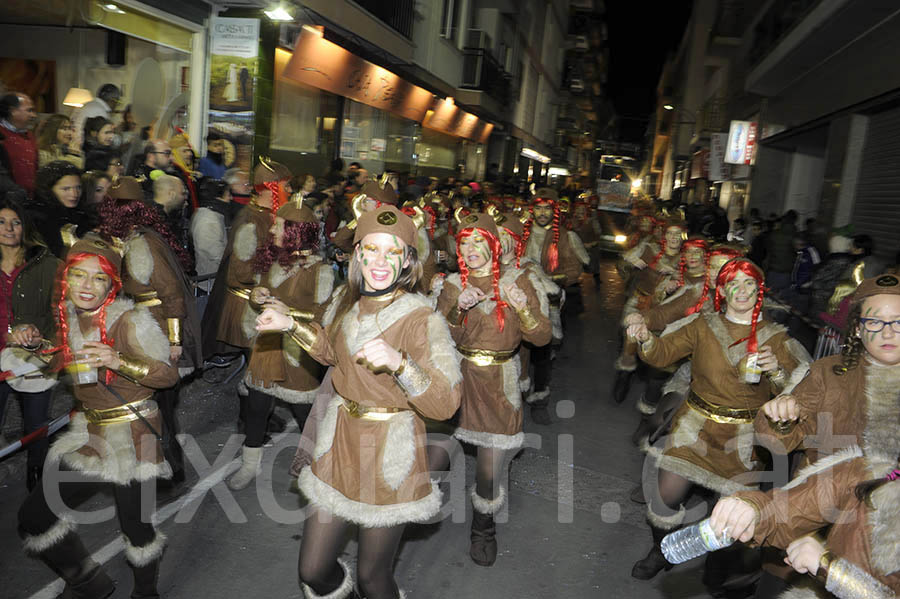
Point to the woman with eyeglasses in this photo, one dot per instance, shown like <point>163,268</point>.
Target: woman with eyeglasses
<point>54,142</point>
<point>850,398</point>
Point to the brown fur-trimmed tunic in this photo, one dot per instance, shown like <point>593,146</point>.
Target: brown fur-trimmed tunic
<point>572,255</point>
<point>713,454</point>
<point>861,407</point>
<point>278,366</point>
<point>867,536</point>
<point>250,229</point>
<point>375,473</point>
<point>136,454</point>
<point>491,409</point>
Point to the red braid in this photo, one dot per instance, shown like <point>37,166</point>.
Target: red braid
<point>279,193</point>
<point>726,275</point>
<point>430,212</point>
<point>662,250</point>
<point>520,245</point>
<point>553,250</point>
<point>494,245</point>
<point>99,318</point>
<point>682,264</point>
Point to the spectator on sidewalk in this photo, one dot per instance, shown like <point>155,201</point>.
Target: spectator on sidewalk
<point>18,147</point>
<point>55,142</point>
<point>209,225</point>
<point>104,105</point>
<point>830,272</point>
<point>213,164</point>
<point>780,254</point>
<point>805,262</point>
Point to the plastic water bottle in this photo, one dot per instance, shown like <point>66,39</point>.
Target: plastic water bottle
<point>693,541</point>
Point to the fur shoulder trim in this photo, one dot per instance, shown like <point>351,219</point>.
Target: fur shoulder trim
<point>543,299</point>
<point>535,247</point>
<point>454,279</point>
<point>139,259</point>
<point>885,540</point>
<point>680,323</point>
<point>882,432</point>
<point>734,353</point>
<point>578,248</point>
<point>797,376</point>
<point>802,593</point>
<point>844,455</point>
<point>149,335</point>
<point>331,310</point>
<point>443,355</point>
<point>423,244</point>
<point>245,242</point>
<point>278,274</point>
<point>114,311</point>
<point>324,283</point>
<point>358,330</point>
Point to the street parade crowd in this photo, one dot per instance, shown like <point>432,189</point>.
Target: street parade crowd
<point>383,310</point>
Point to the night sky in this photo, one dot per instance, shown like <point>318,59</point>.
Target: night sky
<point>641,34</point>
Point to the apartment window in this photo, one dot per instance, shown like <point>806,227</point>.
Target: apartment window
<point>450,19</point>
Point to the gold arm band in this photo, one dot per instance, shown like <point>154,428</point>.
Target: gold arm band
<point>301,315</point>
<point>174,327</point>
<point>123,413</point>
<point>412,378</point>
<point>132,369</point>
<point>147,300</point>
<point>352,224</point>
<point>846,579</point>
<point>720,414</point>
<point>778,376</point>
<point>456,316</point>
<point>529,322</point>
<point>558,277</point>
<point>825,563</point>
<point>241,292</point>
<point>486,357</point>
<point>303,334</point>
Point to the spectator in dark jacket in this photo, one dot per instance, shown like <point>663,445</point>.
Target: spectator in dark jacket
<point>807,258</point>
<point>829,273</point>
<point>780,254</point>
<point>18,146</point>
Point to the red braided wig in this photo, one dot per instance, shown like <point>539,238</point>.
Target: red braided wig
<point>279,193</point>
<point>726,275</point>
<point>99,318</point>
<point>496,251</point>
<point>432,220</point>
<point>520,244</point>
<point>731,253</point>
<point>697,243</point>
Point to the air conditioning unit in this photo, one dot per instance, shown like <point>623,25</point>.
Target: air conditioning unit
<point>581,42</point>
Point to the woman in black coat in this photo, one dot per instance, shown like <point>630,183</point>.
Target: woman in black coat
<point>57,204</point>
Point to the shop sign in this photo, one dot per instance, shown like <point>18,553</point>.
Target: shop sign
<point>325,65</point>
<point>718,170</point>
<point>700,165</point>
<point>235,37</point>
<point>447,117</point>
<point>741,142</point>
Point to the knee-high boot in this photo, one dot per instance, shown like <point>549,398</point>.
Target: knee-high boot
<point>654,562</point>
<point>144,563</point>
<point>483,548</point>
<point>62,550</point>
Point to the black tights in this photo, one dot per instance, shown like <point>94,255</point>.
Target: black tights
<point>321,546</point>
<point>490,467</point>
<point>36,516</point>
<point>259,406</point>
<point>673,490</point>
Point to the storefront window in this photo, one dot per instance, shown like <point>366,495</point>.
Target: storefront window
<point>376,139</point>
<point>438,154</point>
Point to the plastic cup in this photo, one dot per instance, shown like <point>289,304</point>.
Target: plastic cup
<point>82,372</point>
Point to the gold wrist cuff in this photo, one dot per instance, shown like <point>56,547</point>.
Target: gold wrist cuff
<point>303,334</point>
<point>352,225</point>
<point>132,368</point>
<point>174,326</point>
<point>456,316</point>
<point>529,322</point>
<point>301,315</point>
<point>412,378</point>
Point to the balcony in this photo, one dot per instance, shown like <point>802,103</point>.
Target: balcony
<point>398,14</point>
<point>794,36</point>
<point>482,72</point>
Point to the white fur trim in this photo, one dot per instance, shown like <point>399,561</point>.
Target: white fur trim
<point>488,506</point>
<point>885,539</point>
<point>797,376</point>
<point>367,514</point>
<point>665,522</point>
<point>294,396</point>
<point>536,396</point>
<point>882,431</point>
<point>510,371</point>
<point>327,428</point>
<point>696,474</point>
<point>678,324</point>
<point>534,249</point>
<point>150,336</point>
<point>537,284</point>
<point>324,283</point>
<point>121,466</point>
<point>331,310</point>
<point>139,259</point>
<point>278,274</point>
<point>490,440</point>
<point>556,323</point>
<point>443,356</point>
<point>680,382</point>
<point>686,429</point>
<point>848,453</point>
<point>804,593</point>
<point>620,365</point>
<point>248,323</point>
<point>141,556</point>
<point>245,242</point>
<point>735,353</point>
<point>342,592</point>
<point>578,248</point>
<point>114,311</point>
<point>34,544</point>
<point>358,330</point>
<point>524,383</point>
<point>423,244</point>
<point>644,408</point>
<point>399,452</point>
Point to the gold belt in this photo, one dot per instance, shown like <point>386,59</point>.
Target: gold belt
<point>148,299</point>
<point>362,412</point>
<point>118,414</point>
<point>241,292</point>
<point>487,357</point>
<point>721,414</point>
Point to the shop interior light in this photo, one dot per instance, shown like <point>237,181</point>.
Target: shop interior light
<point>557,171</point>
<point>636,183</point>
<point>113,8</point>
<point>529,153</point>
<point>668,107</point>
<point>77,97</point>
<point>621,239</point>
<point>278,14</point>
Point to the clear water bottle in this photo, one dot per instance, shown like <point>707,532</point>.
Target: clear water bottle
<point>692,541</point>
